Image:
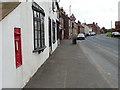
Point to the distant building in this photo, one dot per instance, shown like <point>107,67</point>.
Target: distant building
<point>75,28</point>
<point>64,24</point>
<point>95,27</point>
<point>117,25</point>
<point>80,28</point>
<point>70,29</point>
<point>87,29</point>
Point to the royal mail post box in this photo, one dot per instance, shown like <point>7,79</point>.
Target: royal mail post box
<point>18,51</point>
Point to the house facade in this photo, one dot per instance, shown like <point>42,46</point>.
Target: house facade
<point>117,25</point>
<point>75,28</point>
<point>62,28</point>
<point>0,56</point>
<point>80,28</point>
<point>70,29</point>
<point>95,27</point>
<point>29,35</point>
<point>64,24</point>
<point>87,29</point>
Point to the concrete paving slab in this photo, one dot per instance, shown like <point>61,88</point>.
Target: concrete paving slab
<point>67,67</point>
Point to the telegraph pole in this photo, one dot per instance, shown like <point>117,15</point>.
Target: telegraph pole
<point>111,24</point>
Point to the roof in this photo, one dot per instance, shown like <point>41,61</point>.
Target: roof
<point>93,25</point>
<point>81,26</point>
<point>6,8</point>
<point>97,25</point>
<point>90,25</point>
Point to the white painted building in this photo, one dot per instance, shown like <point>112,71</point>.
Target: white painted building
<point>119,11</point>
<point>0,56</point>
<point>32,19</point>
<point>87,29</point>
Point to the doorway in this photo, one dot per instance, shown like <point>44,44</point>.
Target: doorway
<point>50,39</point>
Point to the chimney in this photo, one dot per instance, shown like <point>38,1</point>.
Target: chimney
<point>62,9</point>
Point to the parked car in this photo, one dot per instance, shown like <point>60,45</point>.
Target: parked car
<point>92,33</point>
<point>87,34</point>
<point>115,34</point>
<point>81,36</point>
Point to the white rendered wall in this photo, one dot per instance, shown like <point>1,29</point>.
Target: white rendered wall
<point>53,15</point>
<point>9,0</point>
<point>22,18</point>
<point>32,61</point>
<point>90,29</point>
<point>47,5</point>
<point>0,56</point>
<point>15,0</point>
<point>87,29</point>
<point>9,74</point>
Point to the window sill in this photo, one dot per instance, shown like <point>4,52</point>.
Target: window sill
<point>39,50</point>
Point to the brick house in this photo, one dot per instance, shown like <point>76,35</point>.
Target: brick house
<point>117,25</point>
<point>64,24</point>
<point>75,28</point>
<point>80,28</point>
<point>95,27</point>
<point>61,19</point>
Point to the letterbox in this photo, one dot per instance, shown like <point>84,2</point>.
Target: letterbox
<point>18,51</point>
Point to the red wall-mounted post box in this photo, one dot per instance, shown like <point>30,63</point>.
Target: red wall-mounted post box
<point>18,51</point>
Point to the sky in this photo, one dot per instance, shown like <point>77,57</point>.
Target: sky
<point>103,12</point>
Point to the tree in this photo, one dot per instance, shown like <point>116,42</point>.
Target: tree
<point>104,29</point>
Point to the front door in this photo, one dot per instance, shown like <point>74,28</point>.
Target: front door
<point>50,39</point>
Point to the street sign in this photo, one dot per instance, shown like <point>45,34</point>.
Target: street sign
<point>72,17</point>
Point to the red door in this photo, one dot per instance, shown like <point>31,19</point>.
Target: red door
<point>18,51</point>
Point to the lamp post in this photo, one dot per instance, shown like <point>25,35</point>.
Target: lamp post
<point>70,10</point>
<point>111,26</point>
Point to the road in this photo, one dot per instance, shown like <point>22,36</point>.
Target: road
<point>102,52</point>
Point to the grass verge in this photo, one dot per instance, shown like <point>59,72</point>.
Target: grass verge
<point>109,35</point>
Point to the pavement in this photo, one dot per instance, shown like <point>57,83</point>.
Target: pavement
<point>68,67</point>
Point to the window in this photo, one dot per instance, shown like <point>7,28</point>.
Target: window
<point>53,6</point>
<point>53,28</point>
<point>58,31</point>
<point>38,24</point>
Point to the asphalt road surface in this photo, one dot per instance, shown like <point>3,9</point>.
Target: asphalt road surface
<point>102,52</point>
